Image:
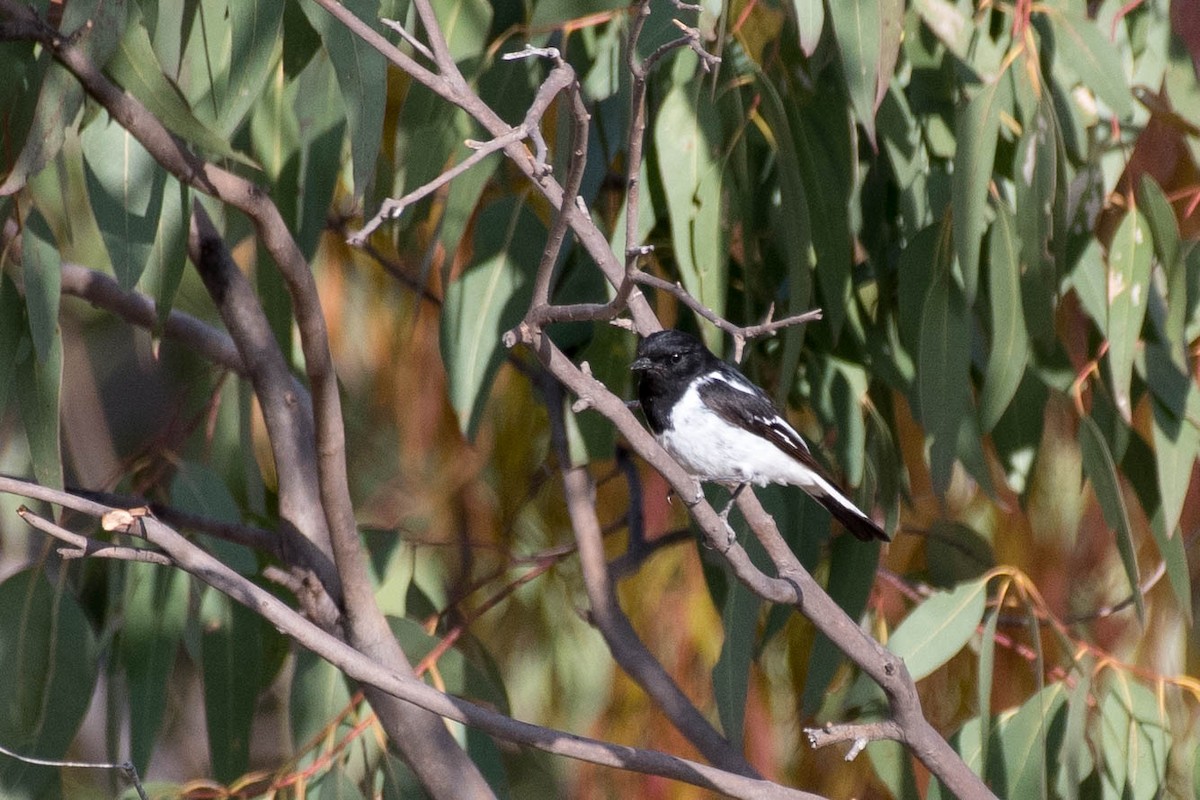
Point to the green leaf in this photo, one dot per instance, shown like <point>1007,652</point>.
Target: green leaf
<point>42,268</point>
<point>59,94</point>
<point>1100,469</point>
<point>977,129</point>
<point>1129,260</point>
<point>1135,739</point>
<point>731,674</point>
<point>949,24</point>
<point>48,656</point>
<point>232,653</point>
<point>1029,741</point>
<point>153,619</point>
<point>685,137</point>
<point>943,373</point>
<point>362,74</point>
<point>168,254</point>
<point>1074,756</point>
<point>318,694</point>
<point>198,489</point>
<point>125,187</point>
<point>13,329</point>
<point>1036,192</point>
<point>1010,342</point>
<point>38,391</point>
<point>487,299</point>
<point>255,45</point>
<point>465,25</point>
<point>938,628</point>
<point>810,20</point>
<point>987,664</point>
<point>824,144</point>
<point>852,567</point>
<point>790,224</point>
<point>136,68</point>
<point>857,25</point>
<point>955,553</point>
<point>1090,54</point>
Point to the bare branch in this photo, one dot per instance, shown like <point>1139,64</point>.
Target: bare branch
<point>125,767</point>
<point>393,208</point>
<point>358,666</point>
<point>450,85</point>
<point>605,611</point>
<point>79,546</point>
<point>408,37</point>
<point>857,734</point>
<point>739,333</point>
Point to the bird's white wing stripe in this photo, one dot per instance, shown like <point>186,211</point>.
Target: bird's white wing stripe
<point>728,380</point>
<point>789,433</point>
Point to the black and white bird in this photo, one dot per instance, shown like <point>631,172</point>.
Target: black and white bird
<point>721,427</point>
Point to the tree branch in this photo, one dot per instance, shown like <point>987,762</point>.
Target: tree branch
<point>358,666</point>
<point>605,610</point>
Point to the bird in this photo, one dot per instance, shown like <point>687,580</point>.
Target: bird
<point>723,428</point>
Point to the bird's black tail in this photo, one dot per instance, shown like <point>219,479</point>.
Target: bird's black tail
<point>854,520</point>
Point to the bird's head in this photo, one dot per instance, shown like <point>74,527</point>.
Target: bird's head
<point>671,354</point>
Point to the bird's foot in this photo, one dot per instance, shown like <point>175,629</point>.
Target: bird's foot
<point>730,533</point>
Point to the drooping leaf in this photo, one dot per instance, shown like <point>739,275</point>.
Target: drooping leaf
<point>39,394</point>
<point>731,674</point>
<point>232,659</point>
<point>13,330</point>
<point>126,188</point>
<point>1074,756</point>
<point>362,76</point>
<point>1129,261</point>
<point>1101,470</point>
<point>59,94</point>
<point>1030,741</point>
<point>48,656</point>
<point>685,136</point>
<point>1010,341</point>
<point>42,268</point>
<point>937,629</point>
<point>168,255</point>
<point>810,21</point>
<point>1080,43</point>
<point>857,26</point>
<point>943,373</point>
<point>154,616</point>
<point>136,68</point>
<point>977,125</point>
<point>1135,740</point>
<point>852,567</point>
<point>486,300</point>
<point>1036,193</point>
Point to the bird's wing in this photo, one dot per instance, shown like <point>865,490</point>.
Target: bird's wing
<point>748,407</point>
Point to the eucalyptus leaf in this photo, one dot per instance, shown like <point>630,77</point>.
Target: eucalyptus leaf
<point>937,629</point>
<point>1101,470</point>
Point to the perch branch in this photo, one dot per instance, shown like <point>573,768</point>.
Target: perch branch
<point>359,667</point>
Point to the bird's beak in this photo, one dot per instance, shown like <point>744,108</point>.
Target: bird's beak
<point>641,365</point>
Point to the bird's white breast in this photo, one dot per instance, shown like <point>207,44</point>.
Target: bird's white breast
<point>714,450</point>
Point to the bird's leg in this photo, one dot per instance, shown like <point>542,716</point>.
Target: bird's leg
<point>724,515</point>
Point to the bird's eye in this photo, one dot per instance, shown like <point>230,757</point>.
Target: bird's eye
<point>675,357</point>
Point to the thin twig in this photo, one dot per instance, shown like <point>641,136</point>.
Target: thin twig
<point>125,767</point>
<point>393,208</point>
<point>80,546</point>
<point>408,37</point>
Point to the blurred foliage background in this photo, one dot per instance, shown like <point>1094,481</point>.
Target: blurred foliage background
<point>994,205</point>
